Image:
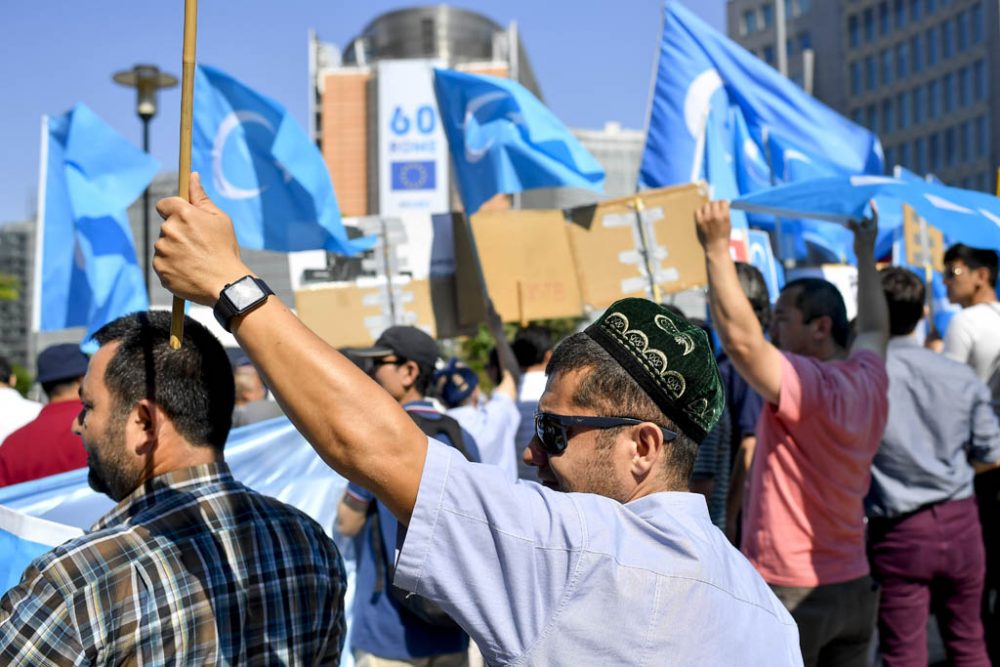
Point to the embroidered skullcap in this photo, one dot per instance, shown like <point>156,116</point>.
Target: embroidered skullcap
<point>669,357</point>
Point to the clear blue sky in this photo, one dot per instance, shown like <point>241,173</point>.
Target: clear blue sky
<point>593,59</point>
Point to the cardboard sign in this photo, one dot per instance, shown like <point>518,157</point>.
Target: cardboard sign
<point>607,239</point>
<point>526,262</point>
<point>915,252</point>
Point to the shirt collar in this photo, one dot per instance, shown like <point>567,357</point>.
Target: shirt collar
<point>902,342</point>
<point>153,490</point>
<point>652,506</point>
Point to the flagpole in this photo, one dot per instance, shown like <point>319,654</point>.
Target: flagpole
<point>654,288</point>
<point>184,169</point>
<point>36,291</point>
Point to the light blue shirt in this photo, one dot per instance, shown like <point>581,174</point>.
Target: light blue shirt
<point>940,419</point>
<point>493,424</point>
<point>539,577</point>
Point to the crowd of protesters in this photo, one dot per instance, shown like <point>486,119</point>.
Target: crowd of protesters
<point>806,491</point>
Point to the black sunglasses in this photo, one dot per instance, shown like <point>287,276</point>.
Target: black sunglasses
<point>385,361</point>
<point>551,428</point>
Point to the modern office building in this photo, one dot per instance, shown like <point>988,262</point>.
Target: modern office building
<point>16,263</point>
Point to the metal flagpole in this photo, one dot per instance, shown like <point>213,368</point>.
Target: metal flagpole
<point>184,169</point>
<point>654,288</point>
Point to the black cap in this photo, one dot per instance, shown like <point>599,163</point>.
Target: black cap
<point>410,343</point>
<point>61,362</point>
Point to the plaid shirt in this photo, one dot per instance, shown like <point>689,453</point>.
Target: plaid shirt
<point>192,568</point>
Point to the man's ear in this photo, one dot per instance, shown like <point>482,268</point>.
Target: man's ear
<point>823,326</point>
<point>647,448</point>
<point>146,419</point>
<point>411,371</point>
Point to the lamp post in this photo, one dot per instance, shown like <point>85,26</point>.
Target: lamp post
<point>147,80</point>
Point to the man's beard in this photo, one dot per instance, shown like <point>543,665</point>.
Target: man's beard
<point>111,476</point>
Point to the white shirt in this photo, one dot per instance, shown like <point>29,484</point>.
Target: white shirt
<point>973,337</point>
<point>493,425</point>
<point>15,411</point>
<point>540,577</point>
<point>531,388</point>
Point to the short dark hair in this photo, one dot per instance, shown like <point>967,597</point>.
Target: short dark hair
<point>820,298</point>
<point>974,258</point>
<point>755,287</point>
<point>56,387</point>
<point>530,345</point>
<point>904,292</point>
<point>610,391</point>
<point>6,369</point>
<point>192,385</point>
<point>424,376</point>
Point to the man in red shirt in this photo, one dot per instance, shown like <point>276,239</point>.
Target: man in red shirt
<point>47,445</point>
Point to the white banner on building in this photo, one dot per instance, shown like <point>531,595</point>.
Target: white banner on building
<point>413,150</point>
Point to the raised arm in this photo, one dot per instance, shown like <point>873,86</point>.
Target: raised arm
<point>757,360</point>
<point>872,328</point>
<point>351,422</point>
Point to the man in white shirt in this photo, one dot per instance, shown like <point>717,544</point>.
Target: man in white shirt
<point>15,410</point>
<point>973,335</point>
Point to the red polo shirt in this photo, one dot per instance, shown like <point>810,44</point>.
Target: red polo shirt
<point>43,447</point>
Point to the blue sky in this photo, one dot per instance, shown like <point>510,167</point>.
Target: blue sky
<point>593,59</point>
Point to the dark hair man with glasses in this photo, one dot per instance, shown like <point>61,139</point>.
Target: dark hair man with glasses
<point>826,406</point>
<point>973,335</point>
<point>628,571</point>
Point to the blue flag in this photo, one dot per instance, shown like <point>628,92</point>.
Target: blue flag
<point>88,274</point>
<point>700,69</point>
<point>502,139</point>
<point>24,538</point>
<point>259,166</point>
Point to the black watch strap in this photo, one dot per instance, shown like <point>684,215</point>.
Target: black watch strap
<point>238,298</point>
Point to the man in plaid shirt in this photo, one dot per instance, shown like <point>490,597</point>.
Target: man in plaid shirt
<point>191,567</point>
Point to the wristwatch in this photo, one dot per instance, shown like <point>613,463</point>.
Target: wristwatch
<point>239,298</point>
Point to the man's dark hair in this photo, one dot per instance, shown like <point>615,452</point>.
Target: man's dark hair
<point>57,387</point>
<point>423,382</point>
<point>974,258</point>
<point>6,369</point>
<point>193,385</point>
<point>530,345</point>
<point>755,287</point>
<point>904,292</point>
<point>608,390</point>
<point>815,298</point>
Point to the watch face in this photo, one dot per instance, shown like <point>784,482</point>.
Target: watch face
<point>244,293</point>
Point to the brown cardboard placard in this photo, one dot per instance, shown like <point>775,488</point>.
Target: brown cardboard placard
<point>914,246</point>
<point>526,262</point>
<point>606,245</point>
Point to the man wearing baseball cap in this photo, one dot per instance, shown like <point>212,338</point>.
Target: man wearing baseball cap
<point>609,561</point>
<point>47,445</point>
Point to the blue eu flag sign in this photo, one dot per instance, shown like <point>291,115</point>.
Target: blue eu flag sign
<point>87,274</point>
<point>259,166</point>
<point>414,175</point>
<point>700,69</point>
<point>502,139</point>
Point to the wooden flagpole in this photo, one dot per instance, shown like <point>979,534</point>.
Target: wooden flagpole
<point>184,168</point>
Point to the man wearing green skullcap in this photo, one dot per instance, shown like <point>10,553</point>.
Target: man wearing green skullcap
<point>609,561</point>
<point>826,407</point>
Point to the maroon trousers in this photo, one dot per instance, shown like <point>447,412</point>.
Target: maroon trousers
<point>931,561</point>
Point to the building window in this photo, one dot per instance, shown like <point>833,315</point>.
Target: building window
<point>789,47</point>
<point>916,54</point>
<point>919,105</point>
<point>903,108</point>
<point>964,88</point>
<point>886,58</point>
<point>871,116</point>
<point>962,31</point>
<point>890,160</point>
<point>887,117</point>
<point>948,84</point>
<point>949,147</point>
<point>914,10</point>
<point>979,84</point>
<point>767,16</point>
<point>904,155</point>
<point>769,54</point>
<point>920,155</point>
<point>902,60</point>
<point>934,98</point>
<point>853,31</point>
<point>883,18</point>
<point>870,82</point>
<point>983,136</point>
<point>946,40</point>
<point>965,141</point>
<point>899,9</point>
<point>934,152</point>
<point>856,78</point>
<point>804,6</point>
<point>930,7</point>
<point>805,41</point>
<point>932,51</point>
<point>749,22</point>
<point>977,22</point>
<point>869,21</point>
<point>858,116</point>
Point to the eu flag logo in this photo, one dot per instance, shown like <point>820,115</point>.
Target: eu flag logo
<point>414,175</point>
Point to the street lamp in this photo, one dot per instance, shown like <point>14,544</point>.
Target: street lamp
<point>147,80</point>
